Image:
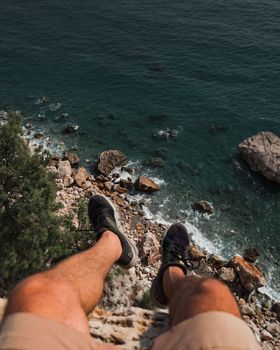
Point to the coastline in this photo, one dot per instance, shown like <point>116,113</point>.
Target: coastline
<point>147,232</point>
<point>256,307</point>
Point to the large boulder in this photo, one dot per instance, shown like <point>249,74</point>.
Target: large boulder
<point>108,160</point>
<point>250,276</point>
<point>262,153</point>
<point>145,184</point>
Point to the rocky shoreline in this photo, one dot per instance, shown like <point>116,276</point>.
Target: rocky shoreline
<point>124,291</point>
<point>119,319</point>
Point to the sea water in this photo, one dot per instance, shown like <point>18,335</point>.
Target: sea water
<point>184,81</point>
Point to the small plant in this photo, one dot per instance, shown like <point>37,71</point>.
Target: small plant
<point>146,301</point>
<point>114,273</point>
<point>82,213</point>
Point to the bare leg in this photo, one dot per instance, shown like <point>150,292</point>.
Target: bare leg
<point>189,296</point>
<point>71,289</point>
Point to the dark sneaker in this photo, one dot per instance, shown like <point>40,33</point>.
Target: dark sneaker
<point>174,248</point>
<point>102,216</point>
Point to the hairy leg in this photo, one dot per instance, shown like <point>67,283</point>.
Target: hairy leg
<point>70,290</point>
<point>190,296</point>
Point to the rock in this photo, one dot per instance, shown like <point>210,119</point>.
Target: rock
<point>145,184</point>
<point>151,248</point>
<point>73,158</point>
<point>108,186</point>
<point>126,184</point>
<point>273,328</point>
<point>217,262</point>
<point>204,207</point>
<point>81,177</point>
<point>127,169</point>
<point>64,168</point>
<point>120,202</point>
<point>68,181</point>
<point>250,276</point>
<point>251,255</point>
<point>108,160</point>
<point>51,170</point>
<point>266,346</point>
<point>120,189</point>
<point>118,338</point>
<point>246,309</point>
<point>195,253</point>
<point>139,228</point>
<point>262,154</point>
<point>70,129</point>
<point>227,274</point>
<point>276,308</point>
<point>39,135</point>
<point>265,335</point>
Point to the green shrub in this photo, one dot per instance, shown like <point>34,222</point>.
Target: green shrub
<point>31,235</point>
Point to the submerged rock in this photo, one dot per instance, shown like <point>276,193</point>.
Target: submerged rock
<point>262,154</point>
<point>39,135</point>
<point>145,184</point>
<point>70,129</point>
<point>108,160</point>
<point>250,276</point>
<point>204,207</point>
<point>251,255</point>
<point>61,118</point>
<point>154,162</point>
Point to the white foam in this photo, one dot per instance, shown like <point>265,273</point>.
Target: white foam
<point>272,293</point>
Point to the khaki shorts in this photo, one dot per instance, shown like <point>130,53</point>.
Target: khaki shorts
<point>211,330</point>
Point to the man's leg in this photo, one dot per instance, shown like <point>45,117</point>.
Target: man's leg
<point>190,296</point>
<point>187,296</point>
<point>213,317</point>
<point>71,289</point>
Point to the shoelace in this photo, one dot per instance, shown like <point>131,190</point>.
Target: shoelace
<point>179,252</point>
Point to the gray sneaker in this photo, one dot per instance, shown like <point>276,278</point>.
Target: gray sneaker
<point>174,250</point>
<point>102,216</point>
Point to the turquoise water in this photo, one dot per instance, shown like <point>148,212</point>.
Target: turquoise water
<point>125,70</point>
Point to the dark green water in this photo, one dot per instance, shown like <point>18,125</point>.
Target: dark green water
<point>125,70</point>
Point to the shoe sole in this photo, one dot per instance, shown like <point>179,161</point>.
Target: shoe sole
<point>132,245</point>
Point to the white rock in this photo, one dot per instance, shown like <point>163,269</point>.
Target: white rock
<point>64,168</point>
<point>265,335</point>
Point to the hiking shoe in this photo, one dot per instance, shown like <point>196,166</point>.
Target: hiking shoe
<point>102,216</point>
<point>174,248</point>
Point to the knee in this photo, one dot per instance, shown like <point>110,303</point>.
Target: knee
<point>211,286</point>
<point>30,293</point>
